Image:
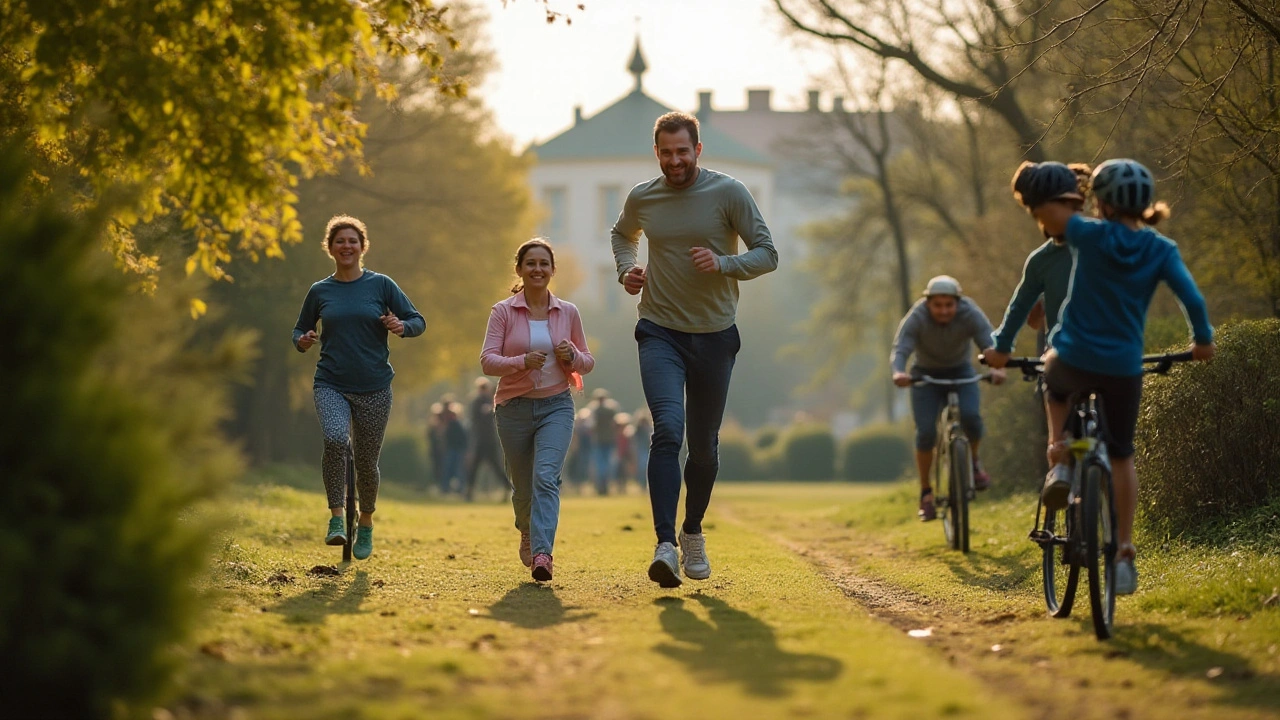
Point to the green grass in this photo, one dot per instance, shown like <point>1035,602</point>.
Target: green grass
<point>1200,636</point>
<point>443,622</point>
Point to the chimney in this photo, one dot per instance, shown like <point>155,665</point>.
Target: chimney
<point>704,104</point>
<point>837,104</point>
<point>758,100</point>
<point>577,114</point>
<point>814,96</point>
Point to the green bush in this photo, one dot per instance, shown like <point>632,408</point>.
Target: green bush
<point>1209,433</point>
<point>767,437</point>
<point>736,458</point>
<point>108,438</point>
<point>809,452</point>
<point>404,460</point>
<point>876,453</point>
<point>1012,449</point>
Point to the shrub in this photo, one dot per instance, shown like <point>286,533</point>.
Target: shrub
<point>809,452</point>
<point>1209,433</point>
<point>767,437</point>
<point>404,460</point>
<point>108,438</point>
<point>876,453</point>
<point>1012,450</point>
<point>736,459</point>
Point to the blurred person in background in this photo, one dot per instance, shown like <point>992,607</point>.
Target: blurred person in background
<point>604,439</point>
<point>484,448</point>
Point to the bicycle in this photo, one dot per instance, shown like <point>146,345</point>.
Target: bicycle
<point>1088,521</point>
<point>955,455</point>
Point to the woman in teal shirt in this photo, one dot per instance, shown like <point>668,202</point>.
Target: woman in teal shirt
<point>357,309</point>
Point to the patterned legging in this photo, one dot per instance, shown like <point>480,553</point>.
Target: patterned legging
<point>363,418</point>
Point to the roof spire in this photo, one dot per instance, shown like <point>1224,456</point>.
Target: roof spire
<point>637,66</point>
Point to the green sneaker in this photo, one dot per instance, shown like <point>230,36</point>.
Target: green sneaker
<point>337,534</point>
<point>363,546</point>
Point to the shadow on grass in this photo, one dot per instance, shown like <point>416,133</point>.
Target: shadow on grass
<point>313,606</point>
<point>534,606</point>
<point>734,647</point>
<point>993,572</point>
<point>1161,648</point>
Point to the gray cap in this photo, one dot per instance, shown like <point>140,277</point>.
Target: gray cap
<point>943,285</point>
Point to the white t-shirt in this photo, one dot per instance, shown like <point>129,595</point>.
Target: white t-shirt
<point>540,341</point>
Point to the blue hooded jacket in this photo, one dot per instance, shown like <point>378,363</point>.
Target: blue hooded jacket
<point>1115,275</point>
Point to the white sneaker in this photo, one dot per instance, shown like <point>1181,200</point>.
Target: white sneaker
<point>693,556</point>
<point>1126,580</point>
<point>664,569</point>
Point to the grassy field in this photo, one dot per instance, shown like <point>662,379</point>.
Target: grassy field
<point>815,588</point>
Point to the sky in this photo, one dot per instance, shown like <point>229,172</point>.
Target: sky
<point>725,46</point>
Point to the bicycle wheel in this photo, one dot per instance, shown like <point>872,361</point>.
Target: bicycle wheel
<point>1100,547</point>
<point>961,484</point>
<point>351,507</point>
<point>1059,575</point>
<point>944,498</point>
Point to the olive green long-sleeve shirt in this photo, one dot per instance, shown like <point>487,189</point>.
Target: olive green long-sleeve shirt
<point>713,213</point>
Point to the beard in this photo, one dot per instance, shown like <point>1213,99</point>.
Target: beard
<point>679,176</point>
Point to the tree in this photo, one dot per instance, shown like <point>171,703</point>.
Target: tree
<point>213,111</point>
<point>983,52</point>
<point>447,204</point>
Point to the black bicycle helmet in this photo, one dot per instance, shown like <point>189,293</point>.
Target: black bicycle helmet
<point>1035,184</point>
<point>1125,185</point>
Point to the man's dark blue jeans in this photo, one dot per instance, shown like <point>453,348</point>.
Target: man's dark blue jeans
<point>686,383</point>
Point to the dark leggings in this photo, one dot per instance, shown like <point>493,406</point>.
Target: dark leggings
<point>362,417</point>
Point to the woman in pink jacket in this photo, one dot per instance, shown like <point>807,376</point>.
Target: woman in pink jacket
<point>535,345</point>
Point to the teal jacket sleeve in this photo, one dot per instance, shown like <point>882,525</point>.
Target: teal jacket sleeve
<point>1024,298</point>
<point>1178,278</point>
<point>399,303</point>
<point>307,318</point>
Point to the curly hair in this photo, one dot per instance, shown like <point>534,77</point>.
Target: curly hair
<point>345,222</point>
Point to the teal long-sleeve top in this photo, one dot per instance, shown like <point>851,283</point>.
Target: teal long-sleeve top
<point>1047,273</point>
<point>354,356</point>
<point>1116,272</point>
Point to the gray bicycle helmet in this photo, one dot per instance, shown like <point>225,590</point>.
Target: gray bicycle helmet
<point>1125,185</point>
<point>1035,184</point>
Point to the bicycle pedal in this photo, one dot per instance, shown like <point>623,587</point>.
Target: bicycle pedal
<point>1040,536</point>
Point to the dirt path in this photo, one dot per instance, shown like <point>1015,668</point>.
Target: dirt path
<point>1053,669</point>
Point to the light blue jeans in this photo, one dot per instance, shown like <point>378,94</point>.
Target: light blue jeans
<point>535,435</point>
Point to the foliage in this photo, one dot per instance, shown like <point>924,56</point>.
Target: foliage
<point>108,439</point>
<point>404,460</point>
<point>446,206</point>
<point>1012,450</point>
<point>214,111</point>
<point>876,453</point>
<point>737,459</point>
<point>1209,433</point>
<point>809,452</point>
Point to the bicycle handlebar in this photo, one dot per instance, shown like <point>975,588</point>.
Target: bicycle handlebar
<point>927,380</point>
<point>1033,366</point>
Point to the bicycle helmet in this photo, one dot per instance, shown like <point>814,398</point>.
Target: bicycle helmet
<point>1035,184</point>
<point>942,285</point>
<point>1125,185</point>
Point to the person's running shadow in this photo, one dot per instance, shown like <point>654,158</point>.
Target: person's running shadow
<point>313,606</point>
<point>736,647</point>
<point>533,606</point>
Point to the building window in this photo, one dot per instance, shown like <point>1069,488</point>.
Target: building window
<point>610,207</point>
<point>556,224</point>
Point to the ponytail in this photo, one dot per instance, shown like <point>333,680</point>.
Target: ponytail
<point>1156,213</point>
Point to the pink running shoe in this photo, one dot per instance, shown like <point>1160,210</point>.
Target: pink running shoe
<point>542,567</point>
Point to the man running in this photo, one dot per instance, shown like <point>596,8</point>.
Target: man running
<point>686,334</point>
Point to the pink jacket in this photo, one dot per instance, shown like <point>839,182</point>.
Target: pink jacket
<point>507,340</point>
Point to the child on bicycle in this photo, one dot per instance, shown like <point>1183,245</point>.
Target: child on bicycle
<point>1047,270</point>
<point>1098,344</point>
<point>938,330</point>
